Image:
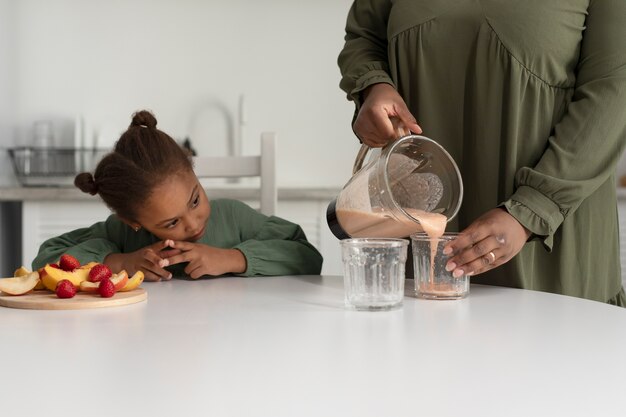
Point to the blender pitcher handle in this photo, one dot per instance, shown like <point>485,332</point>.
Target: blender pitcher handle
<point>400,130</point>
<point>360,157</point>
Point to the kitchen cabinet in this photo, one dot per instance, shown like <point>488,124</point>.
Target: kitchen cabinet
<point>311,216</point>
<point>42,220</point>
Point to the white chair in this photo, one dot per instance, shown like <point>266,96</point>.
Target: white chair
<point>263,166</point>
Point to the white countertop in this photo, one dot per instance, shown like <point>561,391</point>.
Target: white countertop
<point>285,346</point>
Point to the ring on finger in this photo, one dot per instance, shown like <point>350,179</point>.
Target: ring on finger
<point>491,257</point>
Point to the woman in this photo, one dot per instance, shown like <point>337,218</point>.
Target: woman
<point>530,99</point>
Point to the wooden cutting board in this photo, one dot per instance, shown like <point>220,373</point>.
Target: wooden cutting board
<point>46,300</point>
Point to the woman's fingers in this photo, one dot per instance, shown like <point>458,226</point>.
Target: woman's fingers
<point>408,120</point>
<point>488,242</point>
<point>373,124</point>
<point>481,256</point>
<point>466,239</point>
<point>374,129</point>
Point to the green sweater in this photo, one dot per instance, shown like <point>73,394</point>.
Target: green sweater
<point>529,98</point>
<point>271,245</point>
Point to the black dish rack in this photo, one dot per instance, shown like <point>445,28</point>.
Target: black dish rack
<point>52,167</point>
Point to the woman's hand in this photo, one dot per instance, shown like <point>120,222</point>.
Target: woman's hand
<point>381,104</point>
<point>206,260</point>
<point>493,239</point>
<point>146,260</point>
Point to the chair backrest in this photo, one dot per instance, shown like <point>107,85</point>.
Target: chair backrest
<point>263,166</point>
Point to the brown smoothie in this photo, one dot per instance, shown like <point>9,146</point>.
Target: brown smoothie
<point>374,224</point>
<point>379,224</point>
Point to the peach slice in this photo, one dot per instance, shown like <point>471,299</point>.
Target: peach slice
<point>89,265</point>
<point>119,280</point>
<point>53,276</point>
<point>19,285</point>
<point>133,282</point>
<point>42,274</point>
<point>21,271</point>
<point>88,286</point>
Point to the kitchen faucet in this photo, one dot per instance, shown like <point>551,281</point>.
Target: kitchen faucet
<point>234,137</point>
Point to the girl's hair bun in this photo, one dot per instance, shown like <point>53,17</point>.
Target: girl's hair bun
<point>144,118</point>
<point>86,183</point>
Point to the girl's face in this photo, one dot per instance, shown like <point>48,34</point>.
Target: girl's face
<point>178,209</point>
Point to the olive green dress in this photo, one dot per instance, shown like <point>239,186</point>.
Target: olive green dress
<point>529,97</point>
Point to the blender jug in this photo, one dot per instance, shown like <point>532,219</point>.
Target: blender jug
<point>409,180</point>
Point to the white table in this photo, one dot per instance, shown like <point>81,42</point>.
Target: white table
<point>285,346</point>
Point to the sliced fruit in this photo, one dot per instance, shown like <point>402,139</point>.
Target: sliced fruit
<point>106,288</point>
<point>65,289</point>
<point>88,286</point>
<point>133,282</point>
<point>39,285</point>
<point>89,265</point>
<point>21,271</point>
<point>42,272</point>
<point>53,276</point>
<point>99,272</point>
<point>19,285</point>
<point>68,263</point>
<point>119,280</point>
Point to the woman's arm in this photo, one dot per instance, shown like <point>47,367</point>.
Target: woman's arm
<point>363,60</point>
<point>589,140</point>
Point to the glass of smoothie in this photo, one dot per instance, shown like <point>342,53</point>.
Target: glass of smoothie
<point>374,273</point>
<point>432,281</point>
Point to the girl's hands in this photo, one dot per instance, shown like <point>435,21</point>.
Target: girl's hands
<point>147,260</point>
<point>205,260</point>
<point>381,104</point>
<point>491,240</point>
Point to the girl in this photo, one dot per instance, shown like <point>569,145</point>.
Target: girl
<point>164,225</point>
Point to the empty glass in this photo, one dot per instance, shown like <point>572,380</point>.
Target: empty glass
<point>432,281</point>
<point>374,273</point>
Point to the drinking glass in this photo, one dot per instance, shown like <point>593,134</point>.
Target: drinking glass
<point>374,273</point>
<point>432,281</point>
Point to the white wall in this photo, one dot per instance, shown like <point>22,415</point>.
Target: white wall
<point>104,60</point>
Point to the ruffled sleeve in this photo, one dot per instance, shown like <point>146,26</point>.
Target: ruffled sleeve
<point>587,143</point>
<point>363,60</point>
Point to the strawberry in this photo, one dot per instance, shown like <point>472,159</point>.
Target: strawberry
<point>99,272</point>
<point>65,289</point>
<point>106,288</point>
<point>68,263</point>
<point>55,266</point>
